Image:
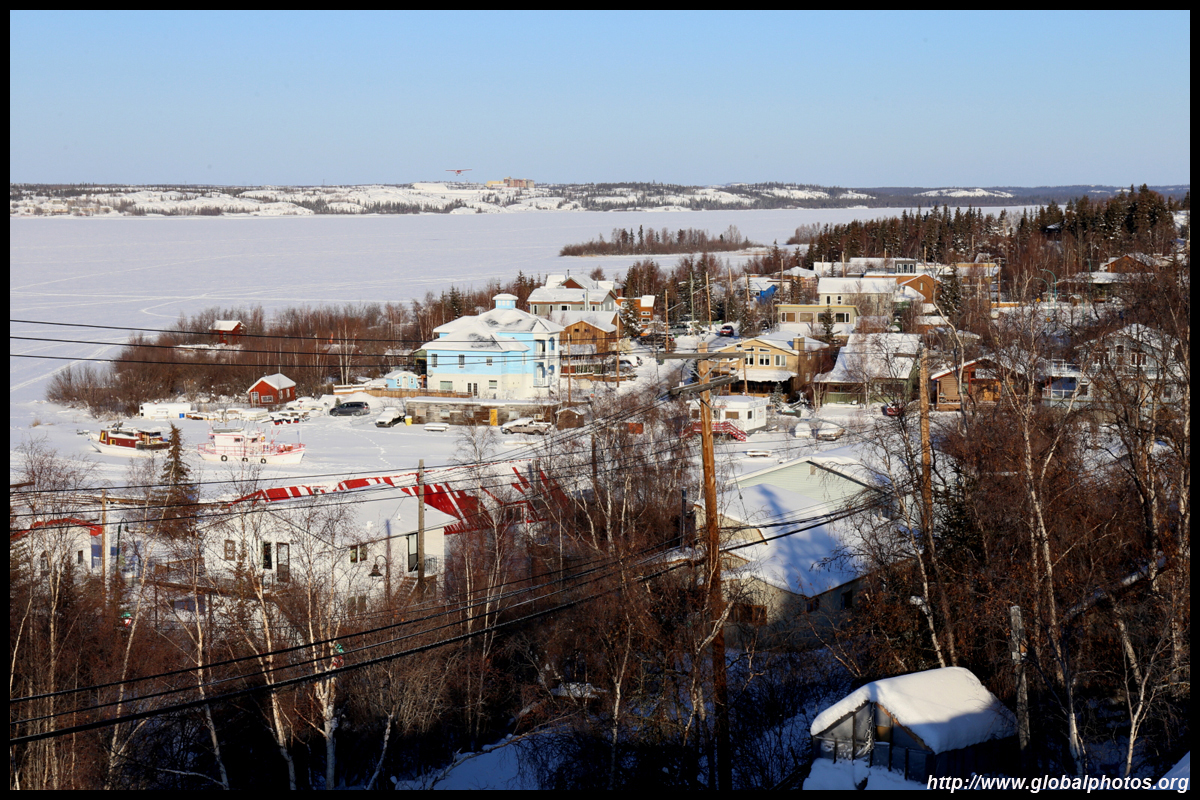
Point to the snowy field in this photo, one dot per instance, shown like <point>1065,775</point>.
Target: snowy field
<point>146,272</point>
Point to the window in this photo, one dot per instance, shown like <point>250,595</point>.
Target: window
<point>732,415</point>
<point>847,600</point>
<point>358,552</point>
<point>267,398</point>
<point>779,361</point>
<point>812,605</point>
<point>230,550</point>
<point>446,386</point>
<point>283,563</point>
<point>79,559</point>
<point>433,360</point>
<point>749,614</point>
<point>749,358</point>
<point>489,361</point>
<point>492,384</point>
<point>462,361</point>
<point>358,605</point>
<point>189,604</point>
<point>552,344</point>
<point>564,308</point>
<point>266,555</point>
<point>764,360</point>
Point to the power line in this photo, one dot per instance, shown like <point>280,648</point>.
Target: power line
<point>339,670</point>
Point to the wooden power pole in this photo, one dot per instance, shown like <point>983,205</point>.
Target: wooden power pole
<point>420,531</point>
<point>715,597</point>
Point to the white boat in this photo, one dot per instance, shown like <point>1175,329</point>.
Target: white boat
<point>248,445</point>
<point>123,440</point>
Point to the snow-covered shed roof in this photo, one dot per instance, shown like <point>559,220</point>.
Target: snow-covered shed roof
<point>225,325</point>
<point>945,708</point>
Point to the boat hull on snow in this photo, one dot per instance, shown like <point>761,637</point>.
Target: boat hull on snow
<point>238,445</point>
<point>120,440</point>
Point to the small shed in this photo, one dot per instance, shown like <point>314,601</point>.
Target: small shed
<point>402,379</point>
<point>227,331</point>
<point>937,723</point>
<point>272,389</point>
<point>571,418</point>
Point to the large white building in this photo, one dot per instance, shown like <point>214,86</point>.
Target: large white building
<point>502,353</point>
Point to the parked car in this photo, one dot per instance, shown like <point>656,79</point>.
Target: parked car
<point>893,409</point>
<point>354,408</point>
<point>727,330</point>
<point>390,417</point>
<point>527,426</point>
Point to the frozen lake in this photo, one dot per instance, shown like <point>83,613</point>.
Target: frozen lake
<point>145,271</point>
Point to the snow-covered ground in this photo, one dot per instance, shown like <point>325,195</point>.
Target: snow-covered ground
<point>145,272</point>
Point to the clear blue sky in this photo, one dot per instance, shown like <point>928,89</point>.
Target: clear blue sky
<point>846,99</point>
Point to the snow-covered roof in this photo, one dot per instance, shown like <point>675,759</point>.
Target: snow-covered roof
<point>602,320</point>
<point>845,286</point>
<point>500,321</point>
<point>874,356</point>
<point>765,374</point>
<point>277,381</point>
<point>476,340</point>
<point>225,325</point>
<point>798,563</point>
<point>557,294</point>
<point>945,708</point>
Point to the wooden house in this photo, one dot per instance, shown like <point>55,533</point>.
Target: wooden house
<point>272,390</point>
<point>981,384</point>
<point>790,587</point>
<point>940,723</point>
<point>776,362</point>
<point>227,331</point>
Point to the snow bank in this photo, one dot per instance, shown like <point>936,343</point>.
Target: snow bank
<point>847,775</point>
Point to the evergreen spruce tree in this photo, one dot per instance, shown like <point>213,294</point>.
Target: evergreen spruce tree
<point>826,325</point>
<point>949,293</point>
<point>176,497</point>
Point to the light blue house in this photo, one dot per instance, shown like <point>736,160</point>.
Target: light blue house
<point>502,353</point>
<point>402,379</point>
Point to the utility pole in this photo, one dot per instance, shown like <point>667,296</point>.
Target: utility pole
<point>618,349</point>
<point>926,450</point>
<point>707,298</point>
<point>715,598</point>
<point>104,541</point>
<point>420,530</point>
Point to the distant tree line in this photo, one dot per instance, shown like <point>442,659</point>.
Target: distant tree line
<point>647,241</point>
<point>1051,239</point>
<point>314,346</point>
